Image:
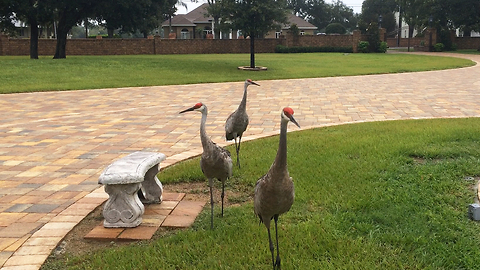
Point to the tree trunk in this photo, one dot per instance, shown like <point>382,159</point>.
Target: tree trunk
<point>399,27</point>
<point>86,28</point>
<point>110,32</point>
<point>410,33</point>
<point>33,39</point>
<point>216,29</point>
<point>62,31</point>
<point>252,51</point>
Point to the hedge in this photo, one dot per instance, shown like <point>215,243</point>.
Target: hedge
<point>284,49</point>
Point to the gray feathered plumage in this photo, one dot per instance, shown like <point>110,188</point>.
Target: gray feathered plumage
<point>215,162</point>
<point>237,122</point>
<point>274,192</point>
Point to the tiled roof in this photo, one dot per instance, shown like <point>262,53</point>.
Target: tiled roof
<point>301,23</point>
<point>179,20</point>
<point>198,15</point>
<point>195,16</point>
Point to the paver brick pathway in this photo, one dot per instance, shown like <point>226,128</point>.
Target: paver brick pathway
<point>54,145</point>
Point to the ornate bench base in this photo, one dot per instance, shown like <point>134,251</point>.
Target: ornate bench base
<point>130,181</point>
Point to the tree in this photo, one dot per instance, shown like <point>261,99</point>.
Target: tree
<point>69,13</point>
<point>32,12</point>
<point>253,17</point>
<point>338,12</point>
<point>318,13</point>
<point>132,16</point>
<point>465,16</point>
<point>335,28</point>
<point>371,11</point>
<point>7,16</point>
<point>415,14</point>
<point>321,14</point>
<point>299,7</point>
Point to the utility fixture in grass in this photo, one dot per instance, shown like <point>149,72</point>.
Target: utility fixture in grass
<point>274,192</point>
<point>215,161</point>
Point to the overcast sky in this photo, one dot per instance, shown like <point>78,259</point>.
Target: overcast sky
<point>356,5</point>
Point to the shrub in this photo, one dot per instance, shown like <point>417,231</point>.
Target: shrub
<point>284,49</point>
<point>383,47</point>
<point>335,28</point>
<point>363,46</point>
<point>438,47</point>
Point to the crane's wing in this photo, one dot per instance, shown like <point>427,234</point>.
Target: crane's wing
<point>236,123</point>
<point>229,124</point>
<point>216,163</point>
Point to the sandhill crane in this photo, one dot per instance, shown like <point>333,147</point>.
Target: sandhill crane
<point>274,192</point>
<point>215,161</point>
<point>237,122</point>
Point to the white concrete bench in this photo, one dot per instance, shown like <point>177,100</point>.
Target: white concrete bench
<point>125,179</point>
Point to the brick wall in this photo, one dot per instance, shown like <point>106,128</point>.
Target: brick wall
<point>199,46</point>
<point>13,46</point>
<point>467,42</point>
<point>320,41</point>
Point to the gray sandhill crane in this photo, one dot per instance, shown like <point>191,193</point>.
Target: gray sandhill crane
<point>237,122</point>
<point>215,161</point>
<point>274,192</point>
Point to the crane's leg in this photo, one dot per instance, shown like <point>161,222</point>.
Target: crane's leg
<point>277,262</point>
<point>223,194</point>
<point>237,149</point>
<point>210,184</point>
<point>270,244</point>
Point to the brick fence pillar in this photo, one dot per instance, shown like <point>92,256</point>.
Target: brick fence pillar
<point>382,34</point>
<point>3,43</point>
<point>431,38</point>
<point>356,37</point>
<point>156,44</point>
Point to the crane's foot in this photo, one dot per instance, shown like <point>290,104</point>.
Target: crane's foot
<point>277,264</point>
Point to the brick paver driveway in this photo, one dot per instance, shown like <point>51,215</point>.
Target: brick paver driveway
<point>53,146</point>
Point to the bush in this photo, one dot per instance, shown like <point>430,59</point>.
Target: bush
<point>335,28</point>
<point>363,46</point>
<point>438,47</point>
<point>383,47</point>
<point>284,49</point>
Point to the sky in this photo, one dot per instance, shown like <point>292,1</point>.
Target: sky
<point>356,5</point>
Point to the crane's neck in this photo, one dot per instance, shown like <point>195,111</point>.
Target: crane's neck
<point>281,158</point>
<point>203,133</point>
<point>243,103</point>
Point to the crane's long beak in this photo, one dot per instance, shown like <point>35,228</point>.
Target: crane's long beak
<point>294,121</point>
<point>188,110</point>
<point>255,83</point>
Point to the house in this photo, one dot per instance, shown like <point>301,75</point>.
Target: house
<point>197,24</point>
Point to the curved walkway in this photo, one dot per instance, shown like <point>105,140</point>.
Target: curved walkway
<point>53,146</point>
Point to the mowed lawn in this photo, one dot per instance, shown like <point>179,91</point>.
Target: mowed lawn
<point>381,195</point>
<point>21,74</point>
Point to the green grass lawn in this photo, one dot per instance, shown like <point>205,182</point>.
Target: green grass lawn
<point>381,195</point>
<point>21,74</point>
